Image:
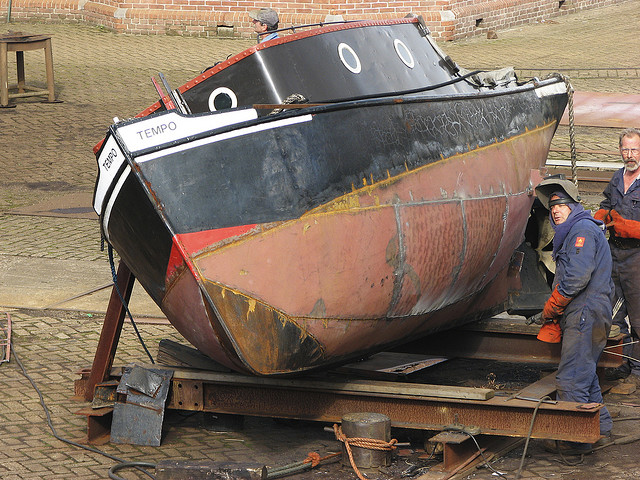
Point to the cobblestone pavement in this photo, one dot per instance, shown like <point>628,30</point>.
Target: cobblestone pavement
<point>45,157</point>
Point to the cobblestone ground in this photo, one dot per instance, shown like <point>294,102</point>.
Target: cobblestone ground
<point>53,347</point>
<point>45,153</point>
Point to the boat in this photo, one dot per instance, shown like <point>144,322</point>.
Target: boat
<point>328,194</point>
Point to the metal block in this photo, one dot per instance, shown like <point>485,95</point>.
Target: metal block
<point>186,394</point>
<point>98,424</point>
<point>143,380</point>
<point>137,425</point>
<point>105,395</point>
<point>139,420</point>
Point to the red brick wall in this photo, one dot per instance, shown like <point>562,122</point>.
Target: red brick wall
<point>447,19</point>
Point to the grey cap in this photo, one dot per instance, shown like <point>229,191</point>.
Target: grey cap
<point>268,16</point>
<point>549,186</point>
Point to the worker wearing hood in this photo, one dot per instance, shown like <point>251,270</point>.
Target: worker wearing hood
<point>579,309</point>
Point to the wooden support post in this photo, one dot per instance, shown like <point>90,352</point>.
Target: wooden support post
<point>111,329</point>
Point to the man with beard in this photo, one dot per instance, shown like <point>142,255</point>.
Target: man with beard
<point>620,210</point>
<point>579,308</point>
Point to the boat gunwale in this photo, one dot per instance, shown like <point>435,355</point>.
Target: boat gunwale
<point>384,100</point>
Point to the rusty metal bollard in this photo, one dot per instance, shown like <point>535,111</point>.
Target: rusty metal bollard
<point>367,425</point>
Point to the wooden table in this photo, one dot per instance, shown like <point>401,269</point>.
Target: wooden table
<point>21,42</point>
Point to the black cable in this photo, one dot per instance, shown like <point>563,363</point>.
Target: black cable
<point>486,461</point>
<point>526,443</point>
<point>139,465</point>
<point>124,303</point>
<point>50,423</point>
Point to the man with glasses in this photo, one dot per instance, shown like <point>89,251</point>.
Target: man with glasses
<point>620,210</point>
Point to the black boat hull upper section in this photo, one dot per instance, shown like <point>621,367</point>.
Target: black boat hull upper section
<point>334,63</point>
<point>287,169</point>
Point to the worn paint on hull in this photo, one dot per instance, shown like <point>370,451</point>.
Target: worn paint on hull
<point>369,275</point>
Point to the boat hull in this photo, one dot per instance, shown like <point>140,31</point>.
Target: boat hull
<point>276,246</point>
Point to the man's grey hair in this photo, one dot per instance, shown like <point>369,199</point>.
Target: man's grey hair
<point>628,132</point>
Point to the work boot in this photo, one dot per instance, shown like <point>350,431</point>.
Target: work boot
<point>618,373</point>
<point>567,448</point>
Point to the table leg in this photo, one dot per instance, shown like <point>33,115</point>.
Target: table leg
<point>4,76</point>
<point>48,60</point>
<point>20,68</point>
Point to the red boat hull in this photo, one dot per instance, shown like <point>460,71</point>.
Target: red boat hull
<point>430,239</point>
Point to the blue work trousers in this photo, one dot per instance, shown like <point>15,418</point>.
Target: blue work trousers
<point>584,336</point>
<point>626,278</point>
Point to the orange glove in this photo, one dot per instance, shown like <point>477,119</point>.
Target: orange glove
<point>603,215</point>
<point>554,308</point>
<point>624,227</point>
<point>550,333</point>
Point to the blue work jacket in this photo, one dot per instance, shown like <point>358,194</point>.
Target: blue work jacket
<point>583,271</point>
<point>626,204</point>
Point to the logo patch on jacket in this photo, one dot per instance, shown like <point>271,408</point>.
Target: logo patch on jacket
<point>579,242</point>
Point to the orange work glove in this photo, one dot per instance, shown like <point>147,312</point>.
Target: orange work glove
<point>554,308</point>
<point>550,333</point>
<point>624,227</point>
<point>603,215</point>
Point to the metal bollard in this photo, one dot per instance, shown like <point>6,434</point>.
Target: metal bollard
<point>367,425</point>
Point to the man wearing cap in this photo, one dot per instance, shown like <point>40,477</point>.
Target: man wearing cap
<point>620,210</point>
<point>580,303</point>
<point>265,20</point>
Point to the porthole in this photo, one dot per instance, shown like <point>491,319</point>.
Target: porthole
<point>349,58</point>
<point>222,98</point>
<point>403,52</point>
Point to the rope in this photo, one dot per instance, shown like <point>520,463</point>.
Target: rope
<point>572,130</point>
<point>368,443</point>
<point>313,458</point>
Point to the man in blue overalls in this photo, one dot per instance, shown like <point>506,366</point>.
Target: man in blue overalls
<point>580,302</point>
<point>620,210</point>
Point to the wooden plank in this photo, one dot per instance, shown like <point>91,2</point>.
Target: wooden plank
<point>343,385</point>
<point>542,388</point>
<point>175,354</point>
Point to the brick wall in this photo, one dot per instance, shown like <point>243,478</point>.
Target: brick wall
<point>447,19</point>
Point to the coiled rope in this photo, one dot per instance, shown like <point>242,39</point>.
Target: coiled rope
<point>369,443</point>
